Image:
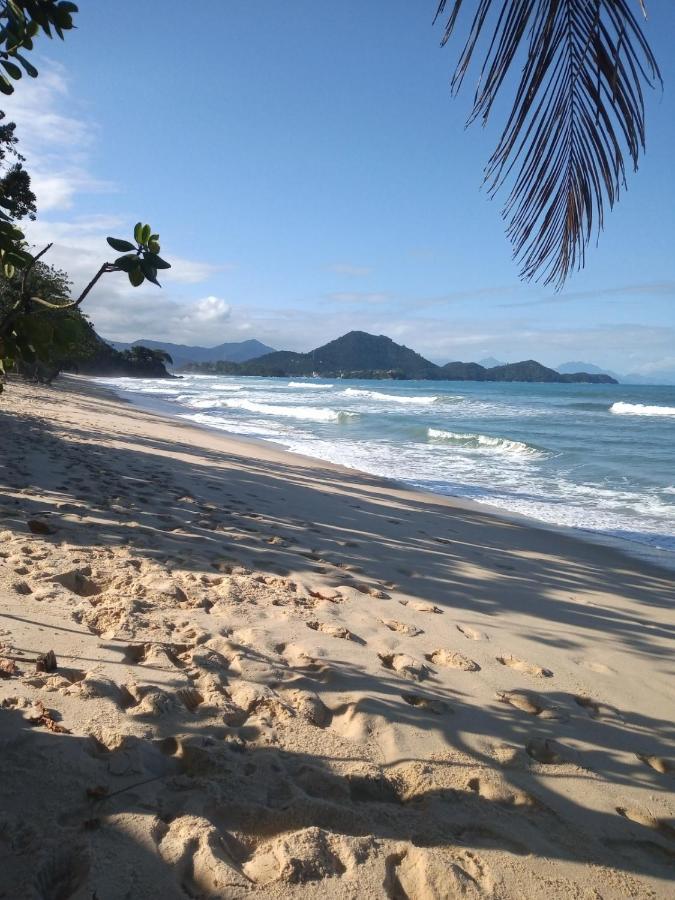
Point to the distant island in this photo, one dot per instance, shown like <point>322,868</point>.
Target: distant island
<point>183,354</point>
<point>362,355</point>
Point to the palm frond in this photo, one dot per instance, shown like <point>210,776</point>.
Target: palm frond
<point>577,115</point>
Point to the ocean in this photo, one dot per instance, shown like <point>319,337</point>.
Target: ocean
<point>597,458</point>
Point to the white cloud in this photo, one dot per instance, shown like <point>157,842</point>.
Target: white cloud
<point>57,140</point>
<point>56,143</point>
<point>155,315</point>
<point>208,311</point>
<point>79,247</point>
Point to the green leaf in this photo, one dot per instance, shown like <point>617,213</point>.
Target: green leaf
<point>127,263</point>
<point>28,67</point>
<point>153,246</point>
<point>136,277</point>
<point>120,245</point>
<point>149,271</point>
<point>157,261</point>
<point>13,70</point>
<point>138,231</point>
<point>145,234</point>
<point>5,86</point>
<point>63,20</point>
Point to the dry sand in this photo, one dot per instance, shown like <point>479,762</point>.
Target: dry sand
<point>280,678</point>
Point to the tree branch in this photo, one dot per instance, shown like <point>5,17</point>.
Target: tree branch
<point>30,265</point>
<point>106,267</point>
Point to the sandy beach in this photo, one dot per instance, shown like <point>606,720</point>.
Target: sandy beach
<point>274,677</point>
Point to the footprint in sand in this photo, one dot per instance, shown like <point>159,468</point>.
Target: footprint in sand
<point>421,606</point>
<point>547,751</point>
<point>450,659</point>
<point>499,791</point>
<point>336,631</point>
<point>471,633</point>
<point>647,821</point>
<point>658,763</point>
<point>519,665</point>
<point>62,873</point>
<point>298,659</point>
<point>437,707</point>
<point>597,667</point>
<point>190,698</point>
<point>418,872</point>
<point>371,591</point>
<point>532,703</point>
<point>401,627</point>
<point>404,665</point>
<point>587,703</point>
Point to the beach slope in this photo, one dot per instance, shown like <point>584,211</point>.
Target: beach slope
<point>273,677</point>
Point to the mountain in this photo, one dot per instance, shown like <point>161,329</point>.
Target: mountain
<point>459,371</point>
<point>182,354</point>
<point>490,362</point>
<point>663,377</point>
<point>570,368</point>
<point>361,355</point>
<point>354,355</point>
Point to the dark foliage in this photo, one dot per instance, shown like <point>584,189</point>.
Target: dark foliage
<point>577,116</point>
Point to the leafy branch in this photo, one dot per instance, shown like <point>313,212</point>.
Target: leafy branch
<point>578,108</point>
<point>23,335</point>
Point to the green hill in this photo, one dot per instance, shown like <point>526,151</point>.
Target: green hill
<point>362,355</point>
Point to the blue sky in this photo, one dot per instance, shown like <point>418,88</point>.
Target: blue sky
<point>309,173</point>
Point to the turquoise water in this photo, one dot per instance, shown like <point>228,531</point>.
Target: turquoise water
<point>595,457</point>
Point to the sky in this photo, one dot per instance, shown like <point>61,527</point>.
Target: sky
<point>309,174</point>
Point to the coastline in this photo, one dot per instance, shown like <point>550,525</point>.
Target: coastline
<point>280,675</point>
<point>636,550</point>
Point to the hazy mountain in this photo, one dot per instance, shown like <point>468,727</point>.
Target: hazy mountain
<point>663,377</point>
<point>569,368</point>
<point>362,355</point>
<point>181,354</point>
<point>490,362</point>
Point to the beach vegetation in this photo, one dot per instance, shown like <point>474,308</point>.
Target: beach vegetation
<point>575,72</point>
<point>40,322</point>
<point>38,318</point>
<point>62,339</point>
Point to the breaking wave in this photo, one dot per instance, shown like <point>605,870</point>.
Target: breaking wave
<point>484,442</point>
<point>307,385</point>
<point>639,409</point>
<point>306,413</point>
<point>376,395</point>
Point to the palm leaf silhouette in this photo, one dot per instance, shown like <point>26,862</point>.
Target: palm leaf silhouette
<point>577,114</point>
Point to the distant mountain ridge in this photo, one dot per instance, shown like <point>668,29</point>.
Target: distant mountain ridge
<point>569,368</point>
<point>182,354</point>
<point>362,355</point>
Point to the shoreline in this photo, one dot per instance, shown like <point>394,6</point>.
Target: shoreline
<point>633,549</point>
<point>274,676</point>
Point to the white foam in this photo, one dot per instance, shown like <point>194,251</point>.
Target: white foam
<point>307,413</point>
<point>393,398</point>
<point>639,409</point>
<point>484,442</point>
<point>308,385</point>
<point>252,429</point>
